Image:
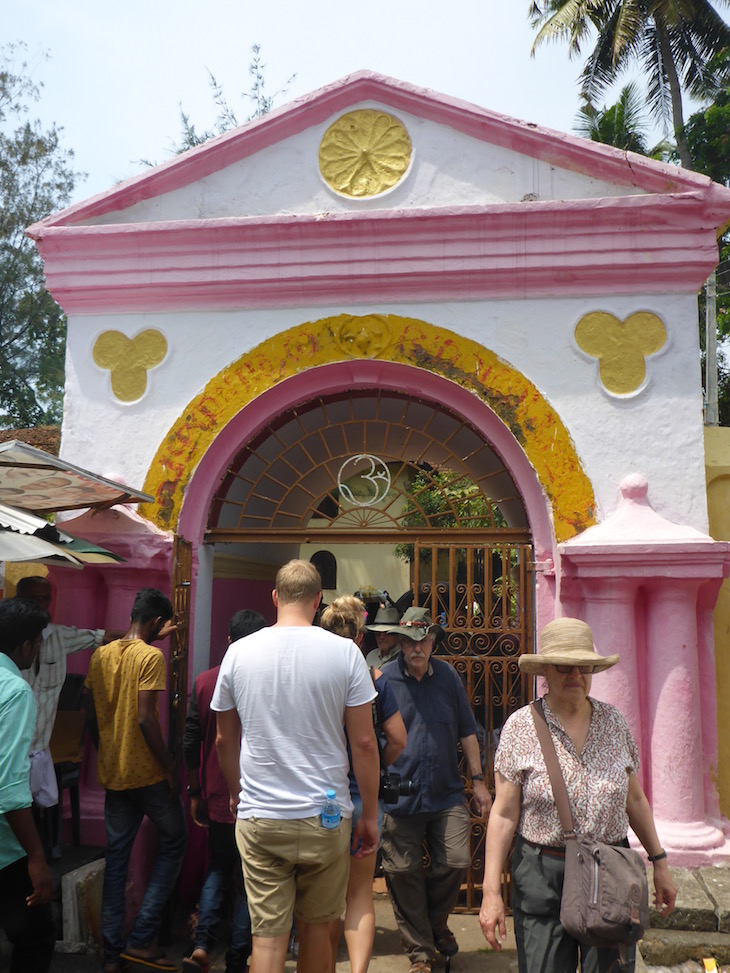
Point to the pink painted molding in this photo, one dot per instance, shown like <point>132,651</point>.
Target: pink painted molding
<point>636,541</point>
<point>665,241</point>
<point>632,244</point>
<point>316,108</point>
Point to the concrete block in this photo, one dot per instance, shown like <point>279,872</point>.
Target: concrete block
<point>670,947</point>
<point>716,882</point>
<point>695,910</point>
<point>81,897</point>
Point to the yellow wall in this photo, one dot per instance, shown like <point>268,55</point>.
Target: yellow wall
<point>717,466</point>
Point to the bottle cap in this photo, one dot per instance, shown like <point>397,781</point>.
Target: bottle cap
<point>331,795</point>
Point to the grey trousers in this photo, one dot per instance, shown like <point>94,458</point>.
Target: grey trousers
<point>542,944</point>
<point>423,898</point>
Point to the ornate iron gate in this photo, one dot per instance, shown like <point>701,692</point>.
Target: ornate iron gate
<point>482,595</point>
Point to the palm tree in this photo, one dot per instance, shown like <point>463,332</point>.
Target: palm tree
<point>622,125</point>
<point>673,41</point>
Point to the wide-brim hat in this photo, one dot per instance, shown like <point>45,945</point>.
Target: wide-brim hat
<point>385,619</point>
<point>416,624</point>
<point>566,642</point>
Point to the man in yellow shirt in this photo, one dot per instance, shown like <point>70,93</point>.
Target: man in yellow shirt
<point>136,769</point>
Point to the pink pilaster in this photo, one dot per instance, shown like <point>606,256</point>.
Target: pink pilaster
<point>610,611</point>
<point>645,585</point>
<point>673,700</point>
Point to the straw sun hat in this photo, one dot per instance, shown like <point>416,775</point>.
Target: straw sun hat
<point>569,642</point>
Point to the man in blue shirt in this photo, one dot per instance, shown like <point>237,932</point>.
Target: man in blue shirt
<point>437,715</point>
<point>26,885</point>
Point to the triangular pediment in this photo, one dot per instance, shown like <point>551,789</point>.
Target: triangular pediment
<point>460,155</point>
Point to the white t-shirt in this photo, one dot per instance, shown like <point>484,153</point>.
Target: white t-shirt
<point>291,686</point>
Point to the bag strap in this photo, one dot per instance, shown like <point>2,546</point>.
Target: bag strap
<point>557,781</point>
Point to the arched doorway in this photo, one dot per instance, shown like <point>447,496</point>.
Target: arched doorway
<point>405,477</point>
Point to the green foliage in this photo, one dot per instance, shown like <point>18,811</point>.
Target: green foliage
<point>445,498</point>
<point>35,179</point>
<point>708,130</point>
<point>227,118</point>
<point>673,43</point>
<point>622,125</point>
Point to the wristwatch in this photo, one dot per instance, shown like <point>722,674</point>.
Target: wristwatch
<point>477,776</point>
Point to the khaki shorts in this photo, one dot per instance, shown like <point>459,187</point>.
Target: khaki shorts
<point>293,867</point>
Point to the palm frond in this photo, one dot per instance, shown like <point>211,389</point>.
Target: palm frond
<point>659,95</point>
<point>563,20</point>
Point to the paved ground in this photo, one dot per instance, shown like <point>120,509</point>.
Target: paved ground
<point>474,955</point>
<point>699,928</point>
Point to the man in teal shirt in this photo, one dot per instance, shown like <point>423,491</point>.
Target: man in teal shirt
<point>26,885</point>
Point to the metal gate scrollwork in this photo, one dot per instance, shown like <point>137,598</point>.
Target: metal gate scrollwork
<point>182,569</point>
<point>481,595</point>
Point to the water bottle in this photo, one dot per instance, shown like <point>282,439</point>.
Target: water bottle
<point>331,811</point>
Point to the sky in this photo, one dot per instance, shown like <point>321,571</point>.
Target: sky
<point>118,73</point>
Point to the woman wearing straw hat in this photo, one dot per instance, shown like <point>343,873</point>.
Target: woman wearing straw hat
<point>599,760</point>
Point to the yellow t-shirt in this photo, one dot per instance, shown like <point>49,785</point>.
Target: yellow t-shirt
<point>117,672</point>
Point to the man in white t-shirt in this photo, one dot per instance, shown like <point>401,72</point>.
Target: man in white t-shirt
<point>284,697</point>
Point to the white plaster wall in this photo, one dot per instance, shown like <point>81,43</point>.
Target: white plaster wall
<point>657,431</point>
<point>448,169</point>
<point>362,565</point>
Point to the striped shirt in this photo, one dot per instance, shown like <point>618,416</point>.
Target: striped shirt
<point>58,642</point>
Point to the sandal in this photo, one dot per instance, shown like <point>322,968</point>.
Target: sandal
<point>157,961</point>
<point>191,965</point>
<point>446,943</point>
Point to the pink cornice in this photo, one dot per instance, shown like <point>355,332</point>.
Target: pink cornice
<point>576,154</point>
<point>637,542</point>
<point>633,244</point>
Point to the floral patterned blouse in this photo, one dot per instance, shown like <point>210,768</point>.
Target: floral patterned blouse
<point>597,779</point>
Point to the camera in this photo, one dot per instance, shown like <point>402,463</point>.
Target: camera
<point>393,786</point>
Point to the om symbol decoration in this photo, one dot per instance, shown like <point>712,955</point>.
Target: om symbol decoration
<point>370,469</point>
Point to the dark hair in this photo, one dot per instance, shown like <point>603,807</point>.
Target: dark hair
<point>21,620</point>
<point>30,581</point>
<point>151,603</point>
<point>245,622</point>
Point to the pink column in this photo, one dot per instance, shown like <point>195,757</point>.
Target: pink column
<point>674,711</point>
<point>609,610</point>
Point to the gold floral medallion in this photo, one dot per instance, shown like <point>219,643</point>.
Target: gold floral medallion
<point>364,153</point>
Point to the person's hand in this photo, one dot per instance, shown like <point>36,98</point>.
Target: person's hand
<point>491,919</point>
<point>233,806</point>
<point>167,629</point>
<point>199,810</point>
<point>365,837</point>
<point>665,891</point>
<point>40,875</point>
<point>482,797</point>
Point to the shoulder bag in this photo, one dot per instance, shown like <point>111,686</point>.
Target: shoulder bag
<point>605,899</point>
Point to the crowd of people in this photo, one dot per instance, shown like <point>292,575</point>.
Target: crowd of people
<point>303,758</point>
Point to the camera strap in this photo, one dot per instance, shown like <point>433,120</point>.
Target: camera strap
<point>377,722</point>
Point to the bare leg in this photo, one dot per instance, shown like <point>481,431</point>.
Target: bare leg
<point>315,948</point>
<point>269,954</point>
<point>360,913</point>
<point>335,930</point>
